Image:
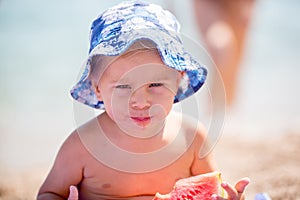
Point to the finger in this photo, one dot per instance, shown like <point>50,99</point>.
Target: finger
<point>242,184</point>
<point>216,197</point>
<point>73,193</point>
<point>231,191</point>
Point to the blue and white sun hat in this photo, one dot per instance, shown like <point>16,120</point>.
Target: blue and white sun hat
<point>117,28</point>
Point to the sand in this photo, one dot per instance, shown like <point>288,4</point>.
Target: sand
<point>272,164</point>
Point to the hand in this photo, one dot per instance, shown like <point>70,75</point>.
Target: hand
<point>73,193</point>
<point>234,193</point>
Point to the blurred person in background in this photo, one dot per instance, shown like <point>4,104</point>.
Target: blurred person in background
<point>223,25</point>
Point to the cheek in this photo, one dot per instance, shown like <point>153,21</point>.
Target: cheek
<point>115,105</point>
<point>161,107</point>
<point>115,112</point>
<point>165,98</point>
<point>107,100</point>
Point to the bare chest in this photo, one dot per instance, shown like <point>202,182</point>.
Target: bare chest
<point>101,180</point>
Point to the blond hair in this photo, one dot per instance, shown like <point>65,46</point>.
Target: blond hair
<point>100,62</point>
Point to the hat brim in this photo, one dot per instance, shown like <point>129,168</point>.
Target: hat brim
<point>171,51</point>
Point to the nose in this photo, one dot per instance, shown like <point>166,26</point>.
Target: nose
<point>140,99</point>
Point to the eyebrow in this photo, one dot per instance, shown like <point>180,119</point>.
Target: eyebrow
<point>122,80</point>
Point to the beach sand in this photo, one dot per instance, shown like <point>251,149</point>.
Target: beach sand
<point>272,165</point>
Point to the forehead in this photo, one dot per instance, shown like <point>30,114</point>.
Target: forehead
<point>137,63</point>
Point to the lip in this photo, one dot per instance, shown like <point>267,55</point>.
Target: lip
<point>142,121</point>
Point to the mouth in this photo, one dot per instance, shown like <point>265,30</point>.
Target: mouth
<point>141,121</point>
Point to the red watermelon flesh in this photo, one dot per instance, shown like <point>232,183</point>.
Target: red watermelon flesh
<point>199,187</point>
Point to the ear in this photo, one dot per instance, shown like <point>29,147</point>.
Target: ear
<point>180,76</point>
<point>182,73</point>
<point>96,90</point>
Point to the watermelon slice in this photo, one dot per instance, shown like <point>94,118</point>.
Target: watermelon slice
<point>199,187</point>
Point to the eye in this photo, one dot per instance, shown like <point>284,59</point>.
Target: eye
<point>156,85</point>
<point>123,87</point>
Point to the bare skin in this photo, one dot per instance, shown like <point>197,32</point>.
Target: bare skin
<point>80,163</point>
<point>223,26</point>
<point>98,181</point>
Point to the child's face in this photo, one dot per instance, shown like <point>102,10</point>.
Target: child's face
<point>138,89</point>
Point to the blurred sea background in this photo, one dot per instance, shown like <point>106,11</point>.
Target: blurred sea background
<point>44,43</point>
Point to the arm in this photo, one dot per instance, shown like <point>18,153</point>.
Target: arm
<point>72,196</point>
<point>205,164</point>
<point>66,171</point>
<point>203,157</point>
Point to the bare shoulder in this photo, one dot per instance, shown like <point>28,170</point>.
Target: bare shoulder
<point>70,150</point>
<point>195,130</point>
<point>68,168</point>
<point>74,146</point>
